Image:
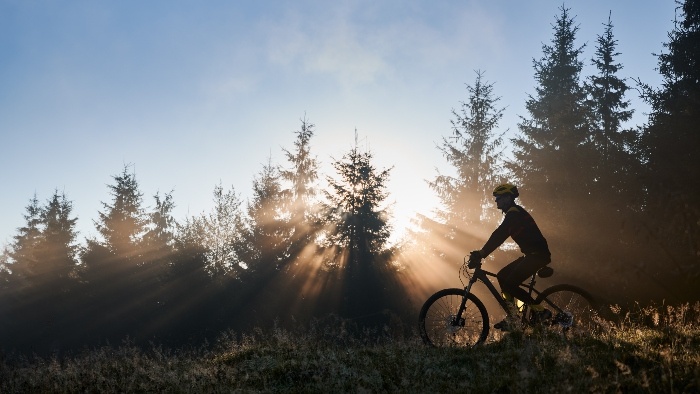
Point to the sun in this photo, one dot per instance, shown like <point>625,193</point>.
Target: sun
<point>409,195</point>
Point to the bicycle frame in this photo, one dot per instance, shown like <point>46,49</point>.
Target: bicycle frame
<point>482,275</point>
<point>448,311</point>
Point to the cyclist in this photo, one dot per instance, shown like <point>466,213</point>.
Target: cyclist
<point>519,225</point>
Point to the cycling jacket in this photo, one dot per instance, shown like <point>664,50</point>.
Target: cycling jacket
<point>519,225</point>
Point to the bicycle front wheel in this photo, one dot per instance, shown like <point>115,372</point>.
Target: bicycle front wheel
<point>573,308</point>
<point>440,325</point>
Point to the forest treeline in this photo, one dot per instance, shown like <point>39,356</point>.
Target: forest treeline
<point>617,203</point>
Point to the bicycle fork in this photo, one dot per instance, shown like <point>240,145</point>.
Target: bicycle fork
<point>457,319</point>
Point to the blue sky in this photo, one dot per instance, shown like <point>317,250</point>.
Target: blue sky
<point>199,93</point>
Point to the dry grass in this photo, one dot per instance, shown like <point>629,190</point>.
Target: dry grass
<point>653,350</point>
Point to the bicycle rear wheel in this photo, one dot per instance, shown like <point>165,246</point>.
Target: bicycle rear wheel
<point>440,326</point>
<point>574,309</point>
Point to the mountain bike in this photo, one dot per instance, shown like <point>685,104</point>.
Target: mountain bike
<point>458,318</point>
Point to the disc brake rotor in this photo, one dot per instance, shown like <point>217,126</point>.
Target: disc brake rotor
<point>450,325</point>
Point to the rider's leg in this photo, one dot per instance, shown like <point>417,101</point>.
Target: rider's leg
<point>510,320</point>
<point>515,273</point>
<point>512,307</point>
<point>508,298</point>
<point>518,271</point>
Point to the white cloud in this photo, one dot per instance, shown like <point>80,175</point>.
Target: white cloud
<point>343,54</point>
<point>356,49</point>
<point>333,46</point>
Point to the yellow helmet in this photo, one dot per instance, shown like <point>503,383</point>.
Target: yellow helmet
<point>506,188</point>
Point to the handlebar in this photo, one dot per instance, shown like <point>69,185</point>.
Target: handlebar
<point>473,261</point>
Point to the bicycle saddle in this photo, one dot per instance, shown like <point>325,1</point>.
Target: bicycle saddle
<point>545,272</point>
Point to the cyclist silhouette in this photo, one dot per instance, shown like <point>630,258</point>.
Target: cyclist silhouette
<point>521,227</point>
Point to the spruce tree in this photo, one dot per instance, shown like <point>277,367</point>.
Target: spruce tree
<point>355,209</point>
<point>42,274</point>
<point>358,229</point>
<point>669,144</point>
<point>58,250</point>
<point>300,179</point>
<point>616,168</point>
<point>472,152</point>
<point>265,230</point>
<point>113,266</point>
<point>161,225</point>
<point>607,97</point>
<point>553,159</point>
<point>25,262</point>
<point>123,221</point>
<point>158,244</point>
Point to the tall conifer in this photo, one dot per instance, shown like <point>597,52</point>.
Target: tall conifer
<point>123,221</point>
<point>266,233</point>
<point>58,251</point>
<point>356,209</point>
<point>25,246</point>
<point>552,158</point>
<point>473,152</point>
<point>670,144</point>
<point>301,179</point>
<point>616,168</point>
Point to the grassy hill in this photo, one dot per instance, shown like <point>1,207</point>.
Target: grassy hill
<point>654,350</point>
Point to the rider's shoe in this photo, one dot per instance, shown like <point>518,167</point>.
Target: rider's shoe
<point>540,317</point>
<point>504,325</point>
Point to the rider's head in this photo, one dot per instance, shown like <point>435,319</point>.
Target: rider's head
<point>505,195</point>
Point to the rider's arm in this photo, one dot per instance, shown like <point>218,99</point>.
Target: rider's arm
<point>499,235</point>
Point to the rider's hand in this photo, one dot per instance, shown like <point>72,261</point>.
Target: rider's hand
<point>474,259</point>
